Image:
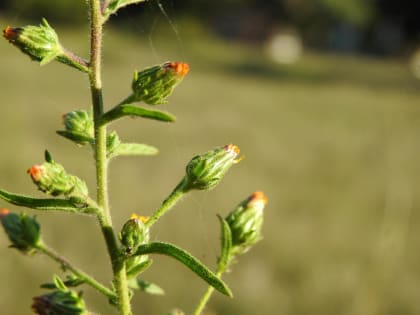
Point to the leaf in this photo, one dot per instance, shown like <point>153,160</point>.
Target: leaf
<point>76,137</point>
<point>134,149</point>
<point>188,260</point>
<point>136,111</point>
<point>225,246</point>
<point>59,284</point>
<point>115,5</point>
<point>146,286</point>
<point>136,269</point>
<point>48,204</point>
<point>71,281</point>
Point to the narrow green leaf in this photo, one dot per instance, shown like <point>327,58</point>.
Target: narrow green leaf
<point>134,149</point>
<point>71,281</point>
<point>135,111</point>
<point>146,286</point>
<point>188,260</point>
<point>49,204</point>
<point>225,246</point>
<point>76,137</point>
<point>136,269</point>
<point>59,284</point>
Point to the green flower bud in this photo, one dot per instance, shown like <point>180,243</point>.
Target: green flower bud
<point>79,127</point>
<point>38,42</point>
<point>205,171</point>
<point>59,302</point>
<point>51,178</point>
<point>112,143</point>
<point>245,222</point>
<point>134,233</point>
<point>153,85</point>
<point>23,231</point>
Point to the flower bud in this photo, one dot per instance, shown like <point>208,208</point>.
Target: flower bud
<point>38,42</point>
<point>134,233</point>
<point>245,222</point>
<point>205,171</point>
<point>79,127</point>
<point>153,85</point>
<point>51,178</point>
<point>112,143</point>
<point>59,302</point>
<point>23,231</point>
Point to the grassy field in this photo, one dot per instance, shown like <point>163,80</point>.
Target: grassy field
<point>334,141</point>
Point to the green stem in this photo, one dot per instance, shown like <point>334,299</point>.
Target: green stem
<point>76,271</point>
<point>206,297</point>
<point>169,202</point>
<point>101,161</point>
<point>73,60</point>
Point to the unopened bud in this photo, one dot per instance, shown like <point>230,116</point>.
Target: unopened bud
<point>51,178</point>
<point>245,222</point>
<point>59,302</point>
<point>38,42</point>
<point>205,171</point>
<point>79,127</point>
<point>112,143</point>
<point>134,233</point>
<point>23,231</point>
<point>153,85</point>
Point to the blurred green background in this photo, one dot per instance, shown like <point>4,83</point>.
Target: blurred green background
<point>331,138</point>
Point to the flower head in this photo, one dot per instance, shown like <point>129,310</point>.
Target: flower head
<point>59,302</point>
<point>23,231</point>
<point>154,85</point>
<point>40,43</point>
<point>78,127</point>
<point>52,178</point>
<point>245,222</point>
<point>205,171</point>
<point>134,233</point>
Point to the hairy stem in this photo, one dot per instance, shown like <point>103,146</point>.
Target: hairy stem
<point>168,203</point>
<point>101,162</point>
<point>65,264</point>
<point>206,297</point>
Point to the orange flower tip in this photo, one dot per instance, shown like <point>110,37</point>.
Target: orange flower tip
<point>4,212</point>
<point>180,68</point>
<point>35,171</point>
<point>259,196</point>
<point>10,33</point>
